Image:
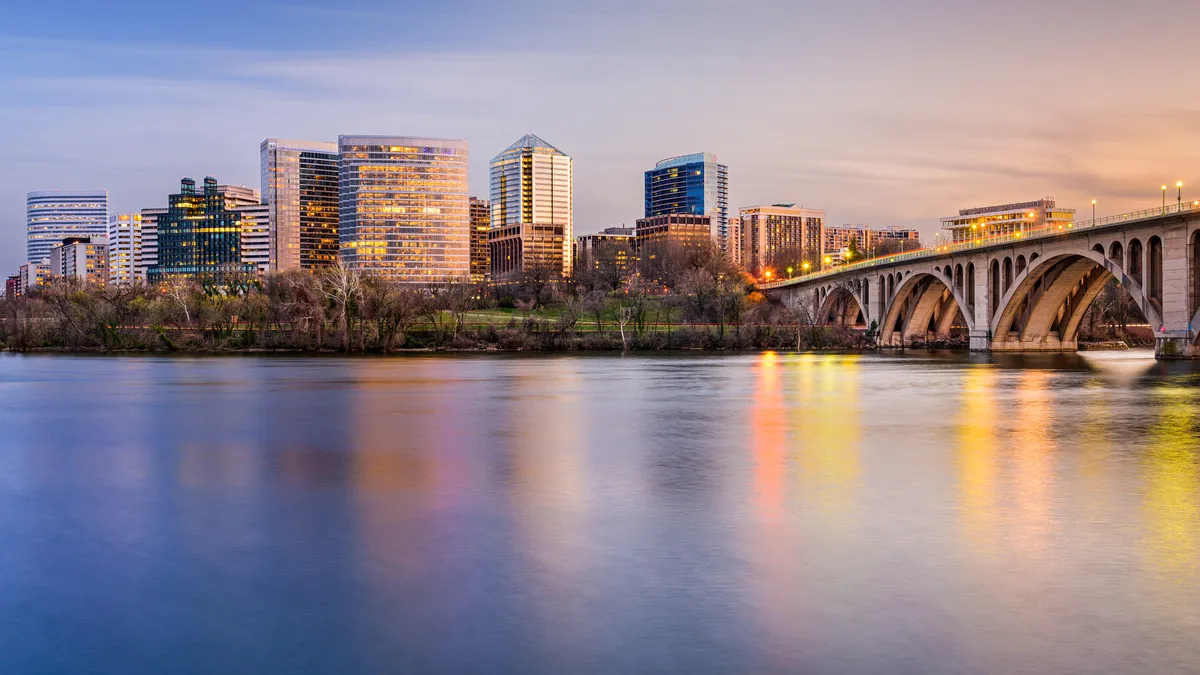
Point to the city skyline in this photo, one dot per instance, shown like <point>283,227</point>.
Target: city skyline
<point>889,130</point>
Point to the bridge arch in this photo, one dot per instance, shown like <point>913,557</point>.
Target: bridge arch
<point>1045,305</point>
<point>842,304</point>
<point>923,301</point>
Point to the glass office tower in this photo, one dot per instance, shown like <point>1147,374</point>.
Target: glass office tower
<point>532,208</point>
<point>54,215</point>
<point>300,188</point>
<point>200,235</point>
<point>403,207</point>
<point>694,185</point>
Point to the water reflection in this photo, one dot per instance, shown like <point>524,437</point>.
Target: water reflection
<point>1173,483</point>
<point>769,436</point>
<point>828,417</point>
<point>745,513</point>
<point>977,453</point>
<point>1033,455</point>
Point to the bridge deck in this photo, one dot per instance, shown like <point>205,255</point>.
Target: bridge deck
<point>993,242</point>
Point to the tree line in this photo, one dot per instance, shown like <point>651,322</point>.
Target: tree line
<point>682,297</point>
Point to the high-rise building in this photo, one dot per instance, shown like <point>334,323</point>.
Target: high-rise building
<point>12,287</point>
<point>201,233</point>
<point>254,222</point>
<point>149,257</point>
<point>125,248</point>
<point>781,235</point>
<point>481,222</point>
<point>54,215</point>
<point>82,258</point>
<point>733,241</point>
<point>300,185</point>
<point>691,184</point>
<point>532,209</point>
<point>995,221</point>
<point>403,207</point>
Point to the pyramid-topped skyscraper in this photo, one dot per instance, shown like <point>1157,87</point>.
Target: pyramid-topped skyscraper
<point>532,209</point>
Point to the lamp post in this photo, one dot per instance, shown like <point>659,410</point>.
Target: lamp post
<point>1179,193</point>
<point>1093,212</point>
<point>1164,190</point>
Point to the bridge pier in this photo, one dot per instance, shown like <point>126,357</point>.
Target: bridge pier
<point>1029,292</point>
<point>1175,344</point>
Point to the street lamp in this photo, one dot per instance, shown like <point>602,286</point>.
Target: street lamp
<point>789,272</point>
<point>1164,190</point>
<point>1179,193</point>
<point>1093,211</point>
<point>804,266</point>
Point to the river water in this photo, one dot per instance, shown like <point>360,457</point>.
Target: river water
<point>758,513</point>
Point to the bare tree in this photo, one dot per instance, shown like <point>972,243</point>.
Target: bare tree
<point>343,288</point>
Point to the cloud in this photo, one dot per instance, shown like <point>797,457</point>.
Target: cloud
<point>874,115</point>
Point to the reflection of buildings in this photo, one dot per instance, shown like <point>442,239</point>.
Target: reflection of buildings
<point>827,409</point>
<point>1033,450</point>
<point>769,437</point>
<point>1172,479</point>
<point>977,451</point>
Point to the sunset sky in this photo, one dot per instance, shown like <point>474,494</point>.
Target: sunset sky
<point>877,111</point>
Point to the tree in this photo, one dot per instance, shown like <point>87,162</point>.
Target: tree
<point>343,288</point>
<point>852,253</point>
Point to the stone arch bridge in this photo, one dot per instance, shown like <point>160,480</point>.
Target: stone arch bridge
<point>1022,292</point>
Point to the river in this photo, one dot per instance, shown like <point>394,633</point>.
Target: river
<point>756,513</point>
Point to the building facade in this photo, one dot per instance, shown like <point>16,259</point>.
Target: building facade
<point>694,185</point>
<point>200,235</point>
<point>784,236</point>
<point>150,218</point>
<point>1007,219</point>
<point>54,215</point>
<point>838,240</point>
<point>125,248</point>
<point>403,205</point>
<point>481,222</point>
<point>82,258</point>
<point>12,287</point>
<point>733,241</point>
<point>300,187</point>
<point>31,275</point>
<point>533,208</point>
<point>611,248</point>
<point>673,233</point>
<point>254,222</point>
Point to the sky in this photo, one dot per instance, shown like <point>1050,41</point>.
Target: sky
<point>878,111</point>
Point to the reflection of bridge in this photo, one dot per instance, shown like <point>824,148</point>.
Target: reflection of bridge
<point>1020,292</point>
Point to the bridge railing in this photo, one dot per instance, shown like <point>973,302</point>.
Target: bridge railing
<point>984,242</point>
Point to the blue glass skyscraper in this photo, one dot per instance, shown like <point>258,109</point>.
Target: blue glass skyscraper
<point>691,184</point>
